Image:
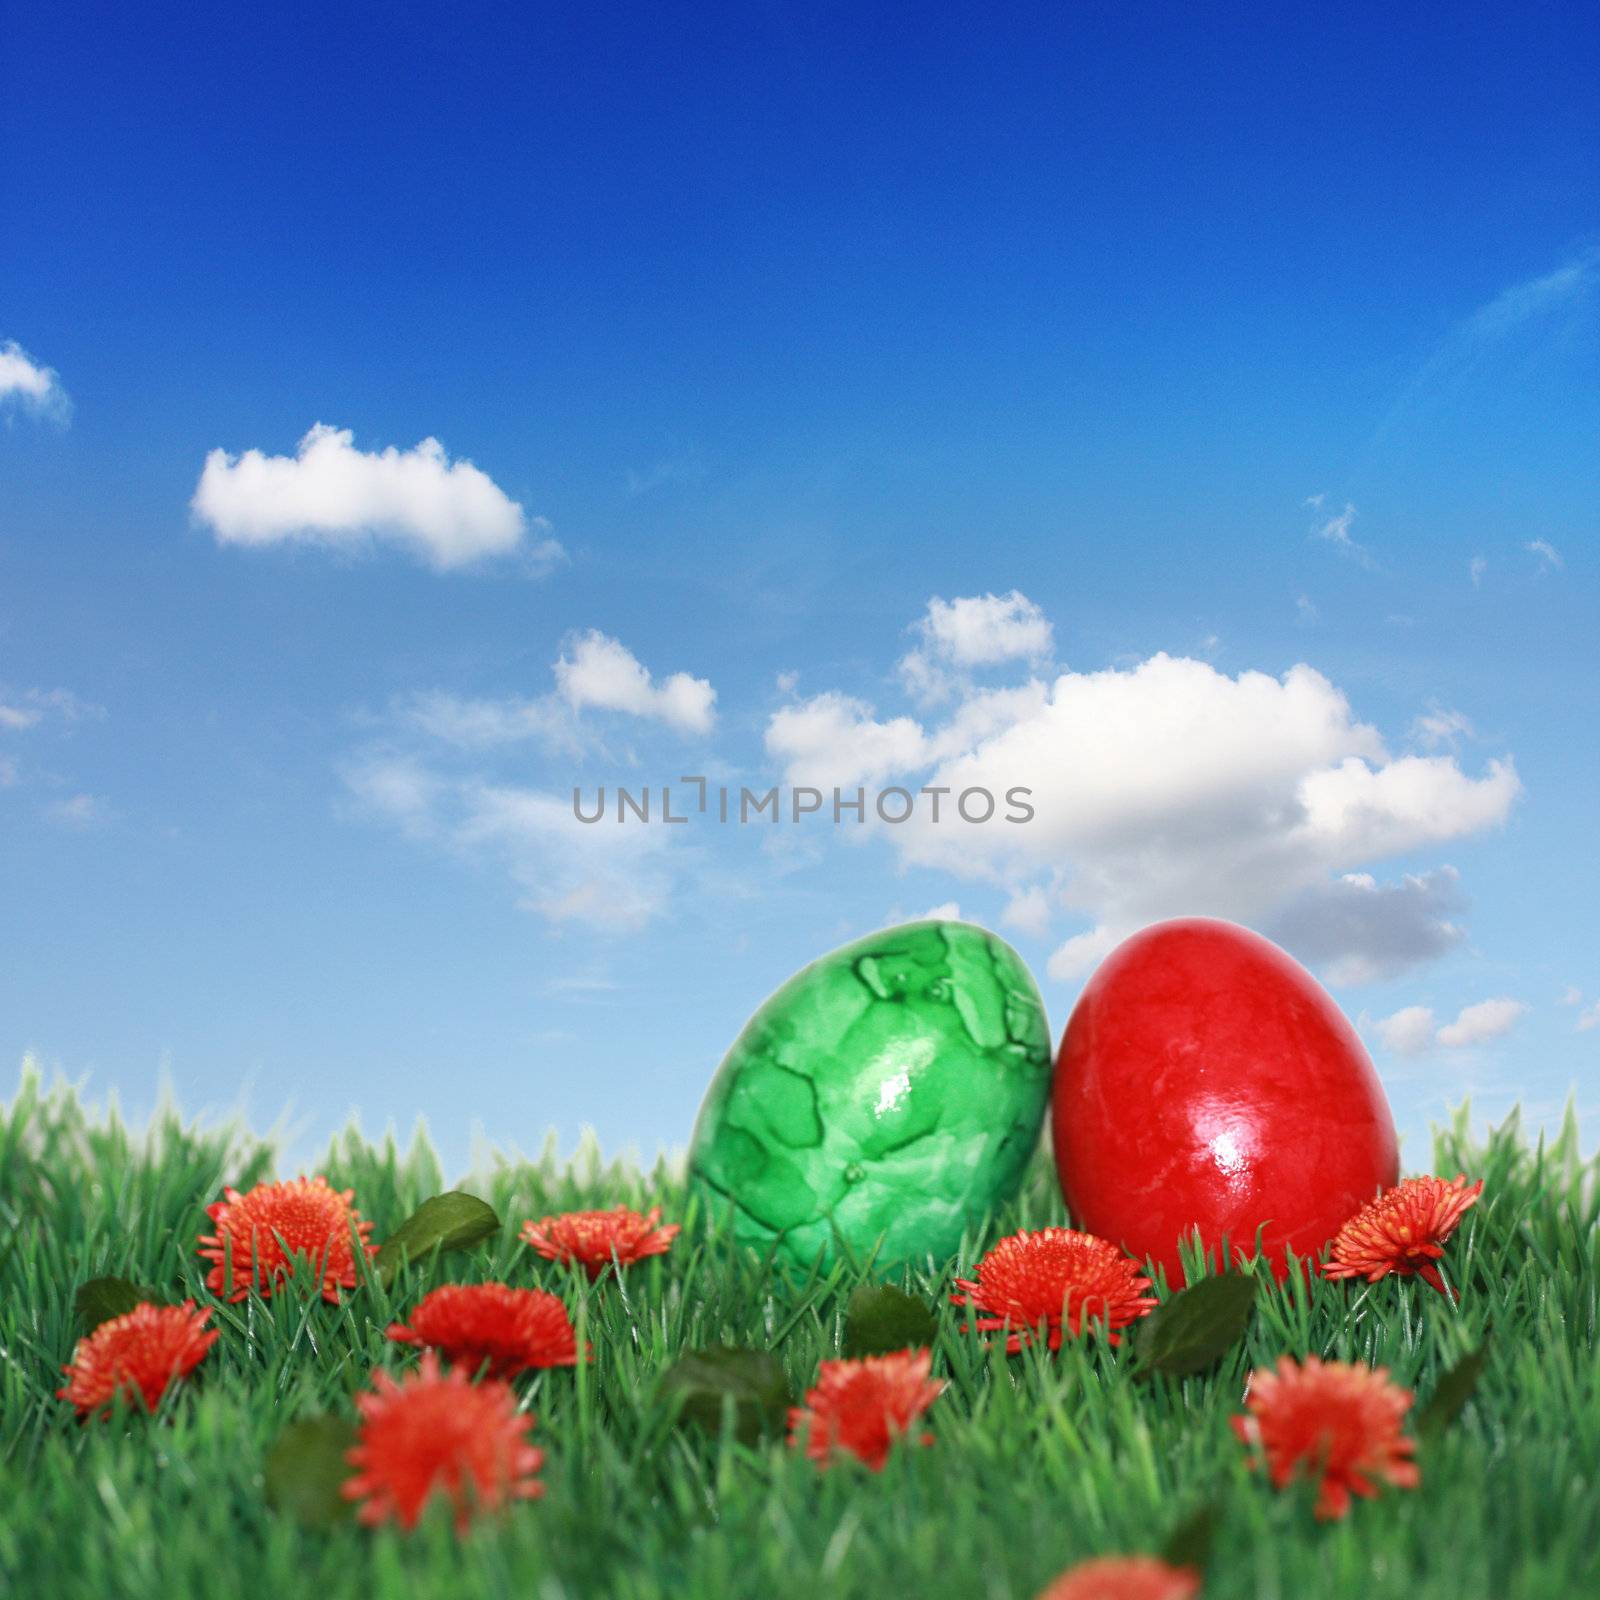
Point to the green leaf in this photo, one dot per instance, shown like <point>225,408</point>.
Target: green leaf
<point>1452,1391</point>
<point>454,1220</point>
<point>1189,1543</point>
<point>306,1467</point>
<point>753,1379</point>
<point>1194,1327</point>
<point>101,1299</point>
<point>879,1318</point>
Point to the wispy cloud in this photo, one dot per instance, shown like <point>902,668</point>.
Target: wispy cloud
<point>28,708</point>
<point>1335,530</point>
<point>1538,308</point>
<point>1549,557</point>
<point>1477,566</point>
<point>79,811</point>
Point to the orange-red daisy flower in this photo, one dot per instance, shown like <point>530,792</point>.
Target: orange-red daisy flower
<point>1124,1578</point>
<point>141,1353</point>
<point>509,1329</point>
<point>1403,1230</point>
<point>1337,1422</point>
<point>864,1406</point>
<point>259,1234</point>
<point>1055,1280</point>
<point>438,1432</point>
<point>596,1239</point>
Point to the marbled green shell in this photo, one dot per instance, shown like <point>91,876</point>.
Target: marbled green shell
<point>890,1093</point>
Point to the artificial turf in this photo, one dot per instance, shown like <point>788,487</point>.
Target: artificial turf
<point>1039,1459</point>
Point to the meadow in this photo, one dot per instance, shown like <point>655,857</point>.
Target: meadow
<point>1038,1459</point>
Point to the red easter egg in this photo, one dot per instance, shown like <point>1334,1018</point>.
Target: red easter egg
<point>1207,1080</point>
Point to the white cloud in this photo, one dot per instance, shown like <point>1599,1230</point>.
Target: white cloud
<point>1481,347</point>
<point>330,493</point>
<point>1536,297</point>
<point>1588,1018</point>
<point>601,874</point>
<point>1170,788</point>
<point>1028,911</point>
<point>1477,567</point>
<point>973,631</point>
<point>8,773</point>
<point>600,672</point>
<point>834,738</point>
<point>1305,610</point>
<point>603,673</point>
<point>1488,1019</point>
<point>1549,556</point>
<point>980,630</point>
<point>611,878</point>
<point>78,811</point>
<point>27,708</point>
<point>29,385</point>
<point>1438,726</point>
<point>1572,995</point>
<point>949,911</point>
<point>1336,531</point>
<point>1357,930</point>
<point>482,724</point>
<point>1408,1032</point>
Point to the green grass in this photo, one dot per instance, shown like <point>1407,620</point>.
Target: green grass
<point>1040,1460</point>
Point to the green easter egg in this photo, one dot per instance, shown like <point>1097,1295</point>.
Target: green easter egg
<point>889,1095</point>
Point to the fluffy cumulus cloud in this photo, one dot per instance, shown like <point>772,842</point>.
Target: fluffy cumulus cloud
<point>1414,1030</point>
<point>1168,788</point>
<point>603,673</point>
<point>30,386</point>
<point>1409,1031</point>
<point>983,630</point>
<point>1476,1024</point>
<point>449,513</point>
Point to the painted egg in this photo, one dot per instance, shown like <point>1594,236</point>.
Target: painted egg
<point>887,1097</point>
<point>1207,1081</point>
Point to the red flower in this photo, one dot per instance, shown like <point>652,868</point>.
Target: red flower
<point>1124,1578</point>
<point>439,1433</point>
<point>510,1329</point>
<point>1055,1279</point>
<point>1403,1230</point>
<point>1339,1422</point>
<point>261,1232</point>
<point>143,1352</point>
<point>864,1406</point>
<point>594,1239</point>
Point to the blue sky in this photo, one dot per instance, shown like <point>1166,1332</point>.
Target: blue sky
<point>1230,385</point>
